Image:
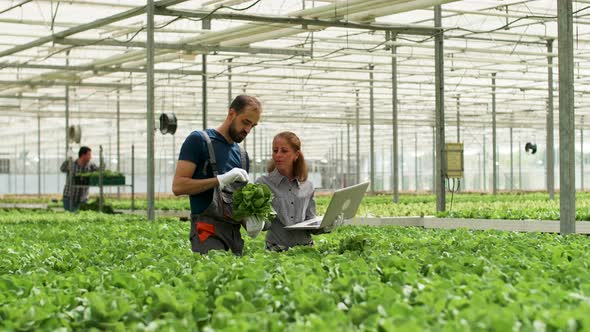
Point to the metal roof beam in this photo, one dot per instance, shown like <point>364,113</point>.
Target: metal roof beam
<point>111,28</point>
<point>54,83</point>
<point>405,121</point>
<point>100,69</point>
<point>400,29</point>
<point>15,6</point>
<point>101,3</point>
<point>183,47</point>
<point>33,98</point>
<point>88,26</point>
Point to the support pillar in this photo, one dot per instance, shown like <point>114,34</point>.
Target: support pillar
<point>550,162</point>
<point>358,141</point>
<point>567,175</point>
<point>394,113</point>
<point>511,162</point>
<point>372,128</point>
<point>440,112</point>
<point>494,141</point>
<point>150,111</point>
<point>39,155</point>
<point>206,25</point>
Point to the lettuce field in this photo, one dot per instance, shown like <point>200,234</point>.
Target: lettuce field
<point>63,272</point>
<point>466,205</point>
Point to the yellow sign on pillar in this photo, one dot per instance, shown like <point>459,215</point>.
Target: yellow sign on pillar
<point>454,160</point>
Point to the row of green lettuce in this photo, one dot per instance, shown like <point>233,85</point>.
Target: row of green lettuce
<point>504,206</point>
<point>120,273</point>
<point>179,203</point>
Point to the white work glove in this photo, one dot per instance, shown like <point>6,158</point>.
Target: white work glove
<point>253,226</point>
<point>337,223</point>
<point>235,175</point>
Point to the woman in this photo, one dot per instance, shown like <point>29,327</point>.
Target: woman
<point>293,199</point>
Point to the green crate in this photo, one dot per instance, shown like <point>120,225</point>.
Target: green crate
<point>94,180</point>
<point>81,180</point>
<point>107,180</point>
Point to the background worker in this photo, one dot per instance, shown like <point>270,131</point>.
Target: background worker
<point>74,196</point>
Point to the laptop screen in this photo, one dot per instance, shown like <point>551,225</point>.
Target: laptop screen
<point>345,201</point>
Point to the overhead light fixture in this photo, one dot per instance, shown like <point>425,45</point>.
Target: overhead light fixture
<point>61,76</point>
<point>188,56</point>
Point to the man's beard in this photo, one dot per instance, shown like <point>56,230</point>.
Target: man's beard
<point>235,135</point>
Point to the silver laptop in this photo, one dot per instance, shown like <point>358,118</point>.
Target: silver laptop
<point>345,201</point>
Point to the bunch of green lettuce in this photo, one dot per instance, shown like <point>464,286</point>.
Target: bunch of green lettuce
<point>94,206</point>
<point>106,173</point>
<point>253,200</point>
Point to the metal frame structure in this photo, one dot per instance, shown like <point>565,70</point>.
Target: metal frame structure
<point>307,61</point>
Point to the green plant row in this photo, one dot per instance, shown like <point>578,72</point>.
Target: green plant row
<point>503,206</point>
<point>121,273</point>
<point>381,199</point>
<point>105,173</point>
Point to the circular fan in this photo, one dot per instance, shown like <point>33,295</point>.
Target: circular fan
<point>168,123</point>
<point>530,148</point>
<point>74,133</point>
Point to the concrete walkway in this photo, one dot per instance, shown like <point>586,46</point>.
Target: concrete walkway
<point>23,206</point>
<point>547,226</point>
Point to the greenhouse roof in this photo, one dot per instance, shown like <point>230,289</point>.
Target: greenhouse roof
<point>313,64</point>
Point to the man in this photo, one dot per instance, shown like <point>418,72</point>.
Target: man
<point>211,165</point>
<point>74,196</point>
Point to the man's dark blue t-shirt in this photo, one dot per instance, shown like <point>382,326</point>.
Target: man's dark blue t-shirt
<point>194,149</point>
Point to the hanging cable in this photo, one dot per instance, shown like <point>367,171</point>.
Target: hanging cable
<point>453,188</point>
<point>54,15</point>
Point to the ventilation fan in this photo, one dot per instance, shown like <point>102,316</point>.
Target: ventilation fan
<point>74,133</point>
<point>168,123</point>
<point>530,148</point>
